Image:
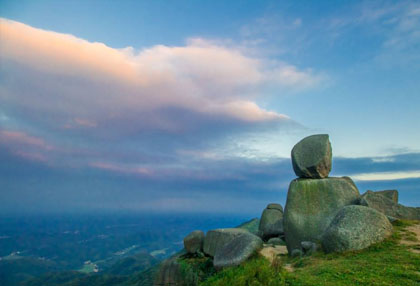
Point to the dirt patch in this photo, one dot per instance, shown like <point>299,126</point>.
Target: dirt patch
<point>288,267</point>
<point>411,238</point>
<point>270,252</point>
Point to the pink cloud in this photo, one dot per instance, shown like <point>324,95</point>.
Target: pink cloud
<point>203,76</point>
<point>21,138</point>
<point>96,100</point>
<point>33,156</point>
<point>121,169</point>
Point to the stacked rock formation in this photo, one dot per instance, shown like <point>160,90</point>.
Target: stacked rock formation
<point>326,211</point>
<point>313,200</point>
<point>321,212</point>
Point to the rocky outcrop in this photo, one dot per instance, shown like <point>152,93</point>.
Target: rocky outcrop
<point>312,157</point>
<point>271,222</point>
<point>390,194</point>
<point>237,250</point>
<point>218,238</point>
<point>354,228</point>
<point>382,203</point>
<point>169,273</point>
<point>193,242</point>
<point>311,206</point>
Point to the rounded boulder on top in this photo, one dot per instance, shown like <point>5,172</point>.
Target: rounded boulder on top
<point>312,157</point>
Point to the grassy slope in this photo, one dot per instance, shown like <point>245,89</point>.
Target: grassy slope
<point>386,263</point>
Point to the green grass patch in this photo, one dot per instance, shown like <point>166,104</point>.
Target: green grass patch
<point>385,263</point>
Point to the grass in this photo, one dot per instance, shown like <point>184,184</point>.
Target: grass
<point>386,263</point>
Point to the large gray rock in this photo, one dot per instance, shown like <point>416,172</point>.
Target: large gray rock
<point>237,251</point>
<point>311,206</point>
<point>387,206</point>
<point>354,228</point>
<point>218,238</point>
<point>312,157</point>
<point>271,222</point>
<point>193,242</point>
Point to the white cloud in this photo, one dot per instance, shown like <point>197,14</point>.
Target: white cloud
<point>386,176</point>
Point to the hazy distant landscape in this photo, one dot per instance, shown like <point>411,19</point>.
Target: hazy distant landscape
<point>34,245</point>
<point>133,131</point>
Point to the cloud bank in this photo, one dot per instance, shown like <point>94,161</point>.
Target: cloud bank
<point>105,107</point>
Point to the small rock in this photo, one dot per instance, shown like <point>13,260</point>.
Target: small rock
<point>309,247</point>
<point>276,241</point>
<point>312,157</point>
<point>354,228</point>
<point>237,251</point>
<point>296,253</point>
<point>306,245</point>
<point>193,242</point>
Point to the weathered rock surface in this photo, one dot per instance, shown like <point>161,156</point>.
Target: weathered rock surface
<point>387,206</point>
<point>237,250</point>
<point>312,157</point>
<point>354,228</point>
<point>251,225</point>
<point>271,222</point>
<point>311,206</point>
<point>390,194</point>
<point>275,207</point>
<point>169,273</point>
<point>193,242</point>
<point>218,238</point>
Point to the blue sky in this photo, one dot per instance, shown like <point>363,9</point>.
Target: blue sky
<point>195,105</point>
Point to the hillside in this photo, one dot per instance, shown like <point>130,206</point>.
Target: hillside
<point>395,261</point>
<point>130,271</point>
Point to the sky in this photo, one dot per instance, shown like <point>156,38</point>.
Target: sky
<point>194,106</point>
